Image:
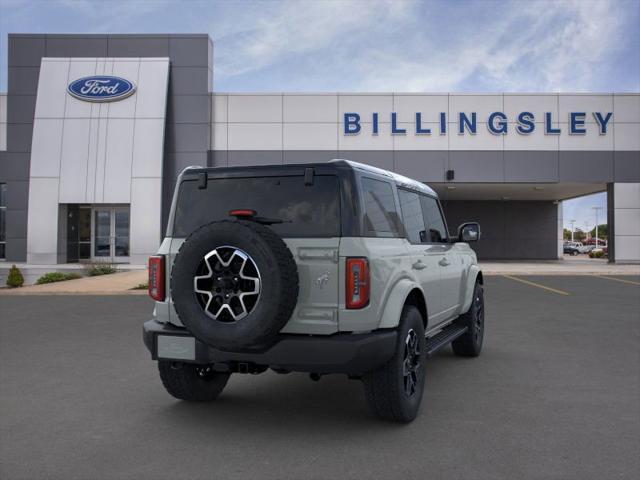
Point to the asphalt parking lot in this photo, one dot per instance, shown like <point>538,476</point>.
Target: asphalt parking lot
<point>555,394</point>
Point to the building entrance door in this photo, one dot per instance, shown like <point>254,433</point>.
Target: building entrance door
<point>110,239</point>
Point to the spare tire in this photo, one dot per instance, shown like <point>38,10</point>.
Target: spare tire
<point>234,284</point>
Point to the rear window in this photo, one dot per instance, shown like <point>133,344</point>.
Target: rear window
<point>306,210</point>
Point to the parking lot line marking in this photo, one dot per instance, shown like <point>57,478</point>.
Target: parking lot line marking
<point>534,284</point>
<point>618,279</point>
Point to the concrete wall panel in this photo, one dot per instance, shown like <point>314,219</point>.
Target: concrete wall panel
<point>539,105</point>
<point>483,105</point>
<point>310,108</point>
<point>424,166</point>
<point>626,108</point>
<point>430,106</point>
<point>43,221</point>
<point>584,103</point>
<point>526,166</point>
<point>477,166</point>
<point>26,50</point>
<point>626,166</point>
<point>585,166</point>
<point>310,136</point>
<point>255,108</point>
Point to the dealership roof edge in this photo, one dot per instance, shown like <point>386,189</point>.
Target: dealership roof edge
<point>435,94</point>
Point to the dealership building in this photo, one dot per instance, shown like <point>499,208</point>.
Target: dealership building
<point>95,129</point>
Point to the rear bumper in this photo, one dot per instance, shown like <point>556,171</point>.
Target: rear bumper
<point>348,353</point>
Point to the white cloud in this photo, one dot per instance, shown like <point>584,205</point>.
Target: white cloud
<point>296,29</point>
<point>532,46</point>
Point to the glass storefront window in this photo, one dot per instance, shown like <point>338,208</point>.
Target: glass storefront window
<point>110,232</point>
<point>102,224</point>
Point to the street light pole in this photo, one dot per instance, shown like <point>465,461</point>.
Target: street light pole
<point>572,222</point>
<point>596,210</point>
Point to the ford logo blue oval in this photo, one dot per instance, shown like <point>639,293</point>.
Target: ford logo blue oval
<point>101,88</point>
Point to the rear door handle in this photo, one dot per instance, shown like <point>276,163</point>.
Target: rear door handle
<point>418,265</point>
<point>444,262</point>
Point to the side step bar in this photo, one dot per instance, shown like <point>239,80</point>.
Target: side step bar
<point>443,338</point>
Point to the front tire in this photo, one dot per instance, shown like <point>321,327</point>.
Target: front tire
<point>394,392</point>
<point>195,383</point>
<point>469,344</point>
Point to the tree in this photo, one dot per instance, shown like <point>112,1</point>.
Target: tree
<point>603,231</point>
<point>566,234</point>
<point>579,235</point>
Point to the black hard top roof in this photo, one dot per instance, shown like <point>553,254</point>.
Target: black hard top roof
<point>320,168</point>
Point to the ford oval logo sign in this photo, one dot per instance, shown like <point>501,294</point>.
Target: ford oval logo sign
<point>101,88</point>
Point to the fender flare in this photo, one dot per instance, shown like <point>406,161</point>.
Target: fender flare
<point>473,274</point>
<point>396,300</point>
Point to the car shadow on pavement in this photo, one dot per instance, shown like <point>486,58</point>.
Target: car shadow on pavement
<point>269,402</point>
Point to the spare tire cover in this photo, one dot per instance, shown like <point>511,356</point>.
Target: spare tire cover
<point>234,284</point>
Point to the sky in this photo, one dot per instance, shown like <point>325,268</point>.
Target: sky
<point>377,45</point>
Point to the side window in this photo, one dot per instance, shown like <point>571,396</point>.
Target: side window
<point>380,214</point>
<point>436,231</point>
<point>412,216</point>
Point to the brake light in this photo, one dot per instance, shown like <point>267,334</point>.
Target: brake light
<point>358,283</point>
<point>156,278</point>
<point>242,212</point>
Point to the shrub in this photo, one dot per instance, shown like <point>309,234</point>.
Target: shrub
<point>100,269</point>
<point>596,254</point>
<point>141,286</point>
<point>15,278</point>
<point>52,277</point>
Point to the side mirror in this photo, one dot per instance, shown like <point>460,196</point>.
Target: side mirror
<point>469,232</point>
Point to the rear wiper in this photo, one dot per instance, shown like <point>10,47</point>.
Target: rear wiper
<point>246,214</point>
<point>268,221</point>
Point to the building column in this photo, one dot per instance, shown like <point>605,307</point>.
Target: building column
<point>623,208</point>
<point>560,236</point>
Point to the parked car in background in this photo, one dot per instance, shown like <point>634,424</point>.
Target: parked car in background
<point>577,247</point>
<point>570,248</point>
<point>592,241</point>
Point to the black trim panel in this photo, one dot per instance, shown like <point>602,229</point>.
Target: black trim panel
<point>348,353</point>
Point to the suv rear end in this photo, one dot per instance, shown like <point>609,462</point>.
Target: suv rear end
<point>295,268</point>
<point>315,206</point>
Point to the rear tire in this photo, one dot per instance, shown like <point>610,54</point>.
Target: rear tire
<point>196,383</point>
<point>470,343</point>
<point>394,391</point>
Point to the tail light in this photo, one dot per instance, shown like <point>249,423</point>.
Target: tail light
<point>156,278</point>
<point>358,283</point>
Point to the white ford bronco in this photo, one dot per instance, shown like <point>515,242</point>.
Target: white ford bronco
<point>322,268</point>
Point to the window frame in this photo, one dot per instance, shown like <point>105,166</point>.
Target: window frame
<point>444,221</point>
<point>419,194</point>
<point>366,232</point>
<point>442,216</point>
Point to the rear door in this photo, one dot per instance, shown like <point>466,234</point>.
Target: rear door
<point>305,214</point>
<point>425,257</point>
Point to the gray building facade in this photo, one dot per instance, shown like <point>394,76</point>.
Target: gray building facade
<point>93,180</point>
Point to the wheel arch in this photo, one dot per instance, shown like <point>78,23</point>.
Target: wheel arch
<point>416,298</point>
<point>405,292</point>
<point>474,275</point>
